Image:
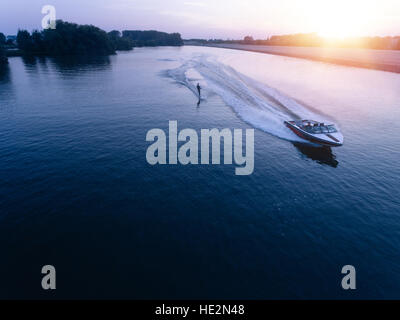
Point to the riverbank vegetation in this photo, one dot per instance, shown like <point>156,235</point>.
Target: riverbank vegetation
<point>152,38</point>
<point>3,56</point>
<point>119,42</point>
<point>66,39</point>
<point>73,39</point>
<point>313,40</point>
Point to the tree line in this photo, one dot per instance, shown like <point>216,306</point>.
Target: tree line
<point>73,39</point>
<point>314,40</point>
<point>3,56</point>
<point>152,38</point>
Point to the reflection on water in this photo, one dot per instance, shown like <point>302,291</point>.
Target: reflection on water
<point>80,63</point>
<point>6,87</point>
<point>68,65</point>
<point>4,74</point>
<point>29,61</point>
<point>322,155</point>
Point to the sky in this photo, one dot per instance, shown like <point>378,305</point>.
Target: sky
<point>221,19</point>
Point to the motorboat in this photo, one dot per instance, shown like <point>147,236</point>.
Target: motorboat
<point>316,132</point>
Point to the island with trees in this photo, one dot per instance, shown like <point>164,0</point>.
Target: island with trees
<point>74,39</point>
<point>66,39</point>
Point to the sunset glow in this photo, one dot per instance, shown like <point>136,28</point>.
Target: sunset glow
<point>341,19</point>
<point>218,19</point>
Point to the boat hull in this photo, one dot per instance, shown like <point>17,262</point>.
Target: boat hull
<point>333,142</point>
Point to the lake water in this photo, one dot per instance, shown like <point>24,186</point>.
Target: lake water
<point>77,192</point>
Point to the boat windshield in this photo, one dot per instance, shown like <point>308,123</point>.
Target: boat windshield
<point>320,129</point>
<point>332,129</point>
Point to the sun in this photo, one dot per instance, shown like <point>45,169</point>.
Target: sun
<point>341,19</point>
<point>332,31</point>
<point>340,26</point>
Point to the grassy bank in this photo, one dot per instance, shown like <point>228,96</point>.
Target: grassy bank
<point>384,60</point>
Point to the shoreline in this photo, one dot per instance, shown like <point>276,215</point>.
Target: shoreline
<point>382,60</point>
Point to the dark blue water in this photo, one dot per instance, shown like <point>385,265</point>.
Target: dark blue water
<point>77,192</point>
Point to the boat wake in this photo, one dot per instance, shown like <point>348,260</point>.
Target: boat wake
<point>259,105</point>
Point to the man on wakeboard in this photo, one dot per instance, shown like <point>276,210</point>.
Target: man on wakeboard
<point>199,90</point>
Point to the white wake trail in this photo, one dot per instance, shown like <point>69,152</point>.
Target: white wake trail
<point>259,105</point>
